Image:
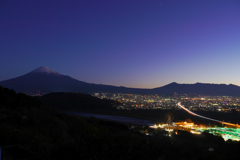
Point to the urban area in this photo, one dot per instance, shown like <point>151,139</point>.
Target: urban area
<point>226,104</point>
<point>193,103</point>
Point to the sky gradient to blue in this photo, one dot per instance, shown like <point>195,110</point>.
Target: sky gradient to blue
<point>132,43</point>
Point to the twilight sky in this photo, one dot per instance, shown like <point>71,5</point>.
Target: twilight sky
<point>132,43</point>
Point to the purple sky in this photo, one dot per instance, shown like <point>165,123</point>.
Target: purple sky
<point>132,43</point>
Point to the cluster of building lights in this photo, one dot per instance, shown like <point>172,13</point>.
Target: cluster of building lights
<point>197,103</point>
<point>224,132</point>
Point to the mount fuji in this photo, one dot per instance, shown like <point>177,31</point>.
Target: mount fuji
<point>46,80</point>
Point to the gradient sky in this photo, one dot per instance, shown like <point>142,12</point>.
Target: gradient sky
<point>132,43</point>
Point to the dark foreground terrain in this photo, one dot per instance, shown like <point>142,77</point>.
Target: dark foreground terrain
<point>43,133</point>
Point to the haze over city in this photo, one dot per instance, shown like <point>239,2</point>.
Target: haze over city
<point>139,44</point>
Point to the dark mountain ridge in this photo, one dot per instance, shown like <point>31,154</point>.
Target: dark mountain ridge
<point>46,80</point>
<point>200,89</point>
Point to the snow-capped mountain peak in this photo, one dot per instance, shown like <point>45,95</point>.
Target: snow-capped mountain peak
<point>45,70</point>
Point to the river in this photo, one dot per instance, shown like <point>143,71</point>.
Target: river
<point>115,118</point>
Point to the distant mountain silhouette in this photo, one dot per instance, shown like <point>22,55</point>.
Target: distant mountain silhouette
<point>46,80</point>
<point>200,89</point>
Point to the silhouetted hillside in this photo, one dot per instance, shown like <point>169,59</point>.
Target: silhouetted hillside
<point>76,101</point>
<point>48,134</point>
<point>11,99</point>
